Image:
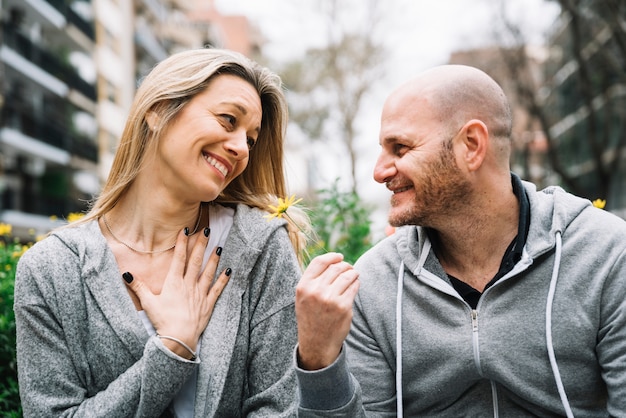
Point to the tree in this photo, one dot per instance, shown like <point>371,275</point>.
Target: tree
<point>327,87</point>
<point>580,102</point>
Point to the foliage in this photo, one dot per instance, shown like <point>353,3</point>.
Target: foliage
<point>10,252</point>
<point>341,223</point>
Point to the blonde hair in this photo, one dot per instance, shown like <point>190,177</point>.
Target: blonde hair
<point>166,90</point>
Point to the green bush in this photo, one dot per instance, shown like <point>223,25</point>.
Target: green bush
<point>10,252</point>
<point>342,223</point>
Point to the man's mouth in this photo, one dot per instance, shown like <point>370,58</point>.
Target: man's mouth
<point>395,189</point>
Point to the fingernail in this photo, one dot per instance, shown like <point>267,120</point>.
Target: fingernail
<point>228,271</point>
<point>128,278</point>
<point>207,231</point>
<point>218,251</point>
<point>186,231</point>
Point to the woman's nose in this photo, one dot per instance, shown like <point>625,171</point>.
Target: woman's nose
<point>237,144</point>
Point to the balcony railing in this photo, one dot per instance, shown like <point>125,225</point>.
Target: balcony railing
<point>74,18</point>
<point>42,129</point>
<point>47,61</point>
<point>40,204</point>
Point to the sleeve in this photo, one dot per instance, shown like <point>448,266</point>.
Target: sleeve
<point>55,378</point>
<point>370,366</point>
<point>352,386</point>
<point>611,346</point>
<point>362,377</point>
<point>329,392</point>
<point>271,386</point>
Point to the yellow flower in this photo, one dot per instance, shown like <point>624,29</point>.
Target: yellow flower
<point>5,229</point>
<point>19,251</point>
<point>281,208</point>
<point>74,216</point>
<point>599,203</point>
<point>53,218</point>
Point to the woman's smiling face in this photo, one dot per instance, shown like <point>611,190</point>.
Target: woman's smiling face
<point>207,145</point>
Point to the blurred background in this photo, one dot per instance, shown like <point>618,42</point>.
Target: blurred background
<point>69,69</point>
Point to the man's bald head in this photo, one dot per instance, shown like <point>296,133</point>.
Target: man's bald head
<point>456,94</point>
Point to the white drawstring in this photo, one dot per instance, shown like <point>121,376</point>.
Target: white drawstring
<point>399,341</point>
<point>553,363</point>
<point>551,291</point>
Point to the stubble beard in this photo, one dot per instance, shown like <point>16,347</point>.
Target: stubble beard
<point>440,191</point>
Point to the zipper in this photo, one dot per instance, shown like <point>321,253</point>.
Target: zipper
<point>476,350</point>
<point>494,389</point>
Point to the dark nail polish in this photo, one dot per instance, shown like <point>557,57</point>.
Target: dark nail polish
<point>218,251</point>
<point>207,231</point>
<point>128,278</point>
<point>186,231</point>
<point>229,271</point>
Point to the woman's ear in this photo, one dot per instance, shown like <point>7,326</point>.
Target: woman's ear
<point>152,119</point>
<point>476,140</point>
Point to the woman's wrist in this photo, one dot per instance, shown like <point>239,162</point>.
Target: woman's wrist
<point>178,347</point>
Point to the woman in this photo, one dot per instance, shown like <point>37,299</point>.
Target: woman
<point>113,311</point>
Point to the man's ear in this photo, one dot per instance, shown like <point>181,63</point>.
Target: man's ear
<point>152,119</point>
<point>476,140</point>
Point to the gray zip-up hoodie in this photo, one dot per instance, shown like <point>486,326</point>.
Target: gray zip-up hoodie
<point>83,350</point>
<point>548,339</point>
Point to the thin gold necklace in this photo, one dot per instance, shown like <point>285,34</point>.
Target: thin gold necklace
<point>195,229</point>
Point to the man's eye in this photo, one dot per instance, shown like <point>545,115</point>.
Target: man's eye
<point>398,148</point>
<point>251,143</point>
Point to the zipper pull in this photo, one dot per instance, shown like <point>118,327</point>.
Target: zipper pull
<point>474,320</point>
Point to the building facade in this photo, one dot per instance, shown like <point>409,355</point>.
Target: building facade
<point>584,98</point>
<point>569,102</point>
<point>68,73</point>
<point>48,148</point>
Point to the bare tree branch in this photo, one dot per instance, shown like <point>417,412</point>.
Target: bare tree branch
<point>594,66</point>
<point>332,82</point>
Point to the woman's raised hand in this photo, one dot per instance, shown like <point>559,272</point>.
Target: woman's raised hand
<point>184,306</point>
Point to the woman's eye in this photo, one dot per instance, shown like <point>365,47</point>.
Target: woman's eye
<point>251,143</point>
<point>231,120</point>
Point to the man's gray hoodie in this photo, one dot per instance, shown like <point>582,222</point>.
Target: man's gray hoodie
<point>548,339</point>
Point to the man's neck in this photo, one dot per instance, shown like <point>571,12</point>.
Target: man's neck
<point>471,248</point>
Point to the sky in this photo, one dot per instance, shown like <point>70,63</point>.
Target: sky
<point>418,34</point>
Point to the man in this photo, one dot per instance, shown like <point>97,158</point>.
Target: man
<point>512,301</point>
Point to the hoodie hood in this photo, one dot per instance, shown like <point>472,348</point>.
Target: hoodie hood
<point>553,210</point>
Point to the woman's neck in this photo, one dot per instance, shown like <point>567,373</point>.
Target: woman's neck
<point>146,226</point>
